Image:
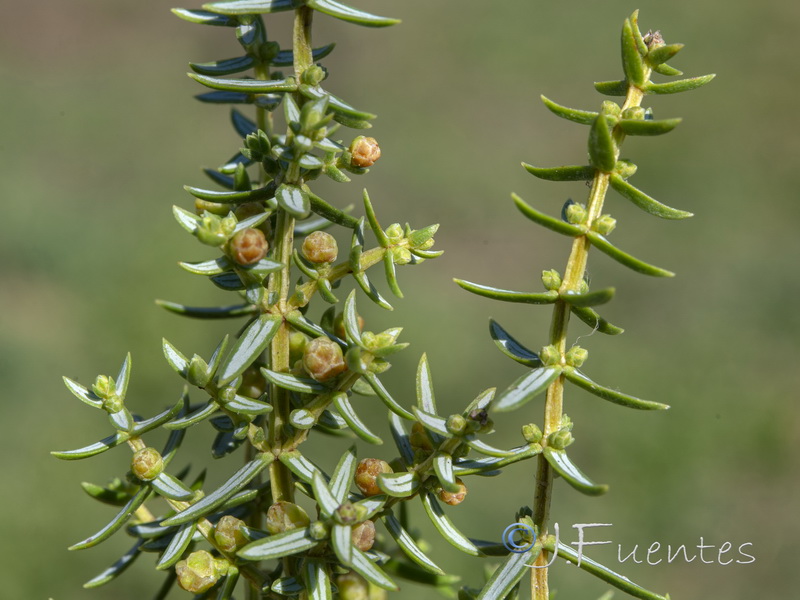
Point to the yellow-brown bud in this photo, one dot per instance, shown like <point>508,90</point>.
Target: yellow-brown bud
<point>283,516</point>
<point>248,246</point>
<point>365,151</point>
<point>320,247</point>
<point>200,572</point>
<point>363,535</point>
<point>453,498</point>
<point>367,475</point>
<point>230,534</point>
<point>323,359</point>
<point>147,464</point>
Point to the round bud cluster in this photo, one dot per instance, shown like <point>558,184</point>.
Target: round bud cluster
<point>550,355</point>
<point>323,359</point>
<point>456,424</point>
<point>229,534</point>
<point>365,151</point>
<point>214,231</point>
<point>147,464</point>
<point>297,345</point>
<point>352,587</point>
<point>560,439</point>
<point>284,516</point>
<point>401,256</point>
<point>576,356</point>
<point>551,280</point>
<point>604,224</point>
<point>532,433</point>
<point>367,475</point>
<point>453,498</point>
<point>610,107</point>
<point>197,373</point>
<point>320,247</point>
<point>363,535</point>
<point>634,112</point>
<point>200,572</point>
<point>248,246</point>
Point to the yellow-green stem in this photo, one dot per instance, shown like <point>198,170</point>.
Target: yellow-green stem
<point>554,402</point>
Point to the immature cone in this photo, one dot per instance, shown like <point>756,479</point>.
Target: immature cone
<point>323,359</point>
<point>283,516</point>
<point>248,246</point>
<point>320,247</point>
<point>454,498</point>
<point>364,535</point>
<point>367,475</point>
<point>147,464</point>
<point>365,151</point>
<point>352,587</point>
<point>229,534</point>
<point>199,572</point>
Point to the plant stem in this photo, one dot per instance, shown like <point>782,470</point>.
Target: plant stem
<point>553,411</point>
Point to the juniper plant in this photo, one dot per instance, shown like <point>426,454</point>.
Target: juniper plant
<point>558,363</point>
<point>280,526</point>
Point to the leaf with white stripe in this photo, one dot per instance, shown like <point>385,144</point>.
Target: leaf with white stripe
<point>342,542</point>
<point>408,545</point>
<point>443,465</point>
<point>425,397</point>
<point>325,498</point>
<point>370,572</point>
<point>446,527</point>
<point>283,544</point>
<point>343,475</point>
<point>318,583</point>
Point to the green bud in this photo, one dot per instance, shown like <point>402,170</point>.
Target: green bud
<point>401,256</point>
<point>420,236</point>
<point>367,472</point>
<point>297,344</point>
<point>352,587</point>
<point>113,404</point>
<point>200,572</point>
<point>346,514</point>
<point>550,355</point>
<point>318,530</point>
<point>576,356</point>
<point>611,108</point>
<point>253,383</point>
<point>583,286</point>
<point>395,233</point>
<point>197,373</point>
<point>576,214</point>
<point>634,112</point>
<point>363,535</point>
<point>104,386</point>
<point>210,231</point>
<point>323,359</point>
<point>284,516</point>
<point>625,168</point>
<point>456,424</point>
<point>226,394</point>
<point>604,224</point>
<point>320,247</point>
<point>551,280</point>
<point>313,75</point>
<point>560,439</point>
<point>229,534</point>
<point>532,433</point>
<point>302,143</point>
<point>147,464</point>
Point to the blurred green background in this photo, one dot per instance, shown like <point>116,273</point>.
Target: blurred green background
<point>99,133</point>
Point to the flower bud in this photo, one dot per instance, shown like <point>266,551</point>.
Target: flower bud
<point>313,75</point>
<point>103,386</point>
<point>320,247</point>
<point>297,345</point>
<point>625,168</point>
<point>211,231</point>
<point>200,572</point>
<point>318,530</point>
<point>532,433</point>
<point>401,256</point>
<point>453,498</point>
<point>364,535</point>
<point>346,514</point>
<point>550,355</point>
<point>560,439</point>
<point>551,280</point>
<point>230,534</point>
<point>248,246</point>
<point>634,112</point>
<point>367,475</point>
<point>365,151</point>
<point>352,587</point>
<point>419,438</point>
<point>323,359</point>
<point>395,233</point>
<point>456,424</point>
<point>147,464</point>
<point>610,107</point>
<point>284,516</point>
<point>576,214</point>
<point>604,224</point>
<point>197,373</point>
<point>576,356</point>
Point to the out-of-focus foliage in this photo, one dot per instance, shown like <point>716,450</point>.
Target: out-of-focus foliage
<point>91,141</point>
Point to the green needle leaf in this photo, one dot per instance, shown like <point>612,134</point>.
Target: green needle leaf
<point>645,202</point>
<point>208,267</point>
<point>589,298</point>
<point>595,321</point>
<point>247,7</point>
<point>661,54</point>
<point>330,213</point>
<point>180,542</point>
<point>509,573</point>
<point>328,503</point>
<point>675,87</point>
<point>445,526</point>
<point>602,148</point>
<point>118,521</point>
<point>251,343</point>
<point>168,486</point>
<point>398,485</point>
<point>387,399</point>
<point>570,173</point>
<point>342,404</point>
<point>204,17</point>
<point>575,376</point>
<point>348,13</point>
<point>511,347</point>
<point>508,295</point>
<point>83,394</point>
<point>400,437</point>
<point>343,475</point>
<point>293,200</point>
<point>612,88</point>
<point>426,400</point>
<point>246,86</point>
<point>623,258</point>
<point>193,418</point>
<point>263,193</point>
<point>212,312</point>
<point>527,387</point>
<point>125,561</point>
<point>316,579</point>
<point>584,117</point>
<point>632,61</point>
<point>362,565</point>
<point>283,544</point>
<point>562,464</point>
<point>545,220</point>
<point>228,66</point>
<point>292,383</point>
<point>443,466</point>
<point>342,542</point>
<point>408,545</point>
<point>644,127</point>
